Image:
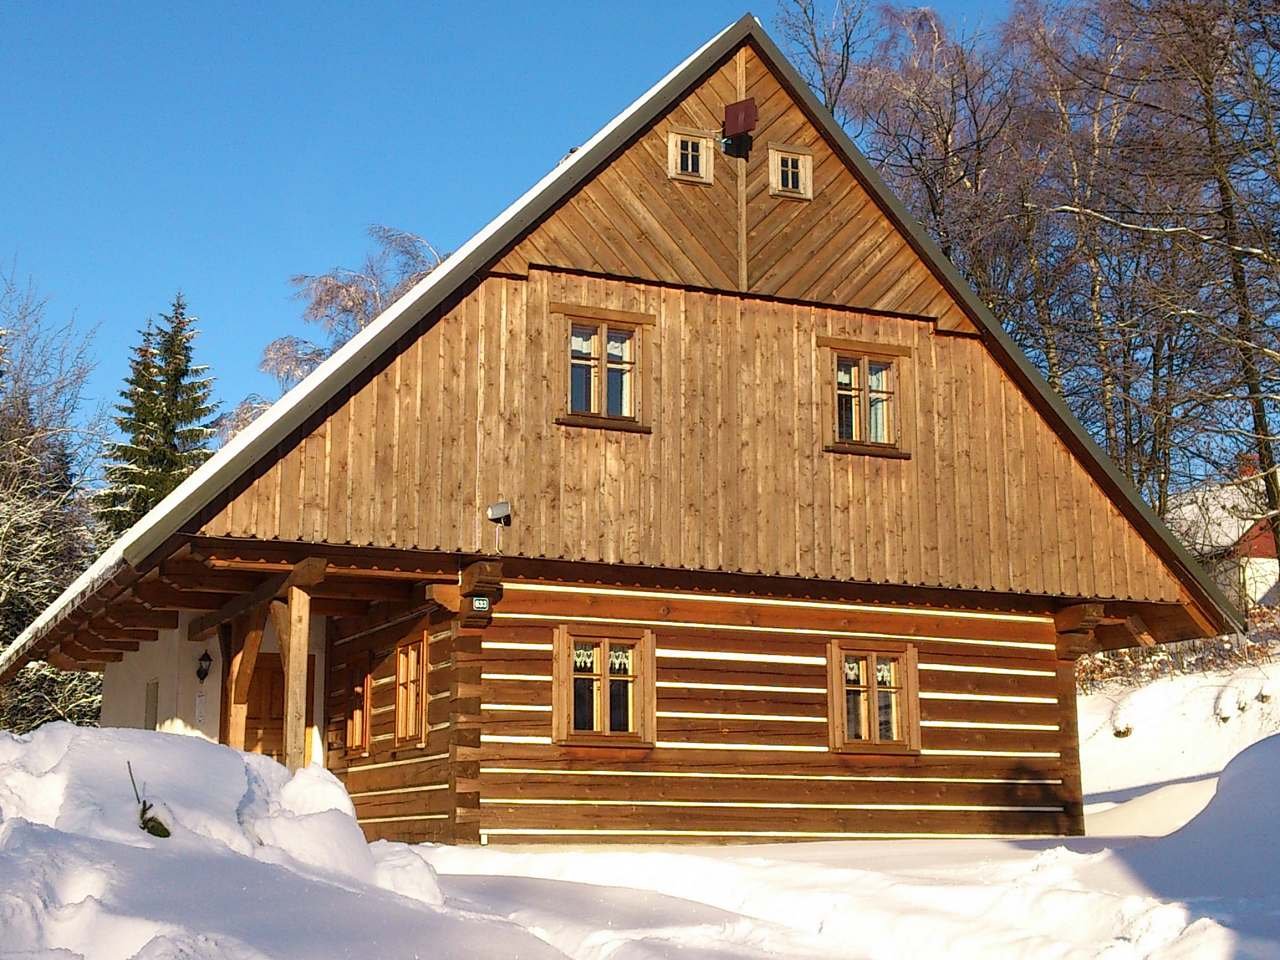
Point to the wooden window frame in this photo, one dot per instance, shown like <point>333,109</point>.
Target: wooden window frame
<point>405,735</point>
<point>706,155</point>
<point>358,673</point>
<point>836,349</point>
<point>805,156</point>
<point>910,692</point>
<point>644,686</point>
<point>604,320</point>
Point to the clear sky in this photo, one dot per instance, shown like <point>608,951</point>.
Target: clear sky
<point>221,148</point>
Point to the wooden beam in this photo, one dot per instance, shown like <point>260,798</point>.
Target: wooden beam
<point>1138,630</point>
<point>109,631</point>
<point>304,574</point>
<point>60,660</point>
<point>293,648</point>
<point>135,615</point>
<point>161,596</point>
<point>1079,617</point>
<point>246,642</point>
<point>98,644</point>
<point>74,650</point>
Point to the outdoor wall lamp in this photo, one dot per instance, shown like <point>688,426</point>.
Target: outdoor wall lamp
<point>203,665</point>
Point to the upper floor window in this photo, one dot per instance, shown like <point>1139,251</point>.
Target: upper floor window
<point>864,400</point>
<point>604,690</point>
<point>689,155</point>
<point>863,385</point>
<point>791,172</point>
<point>874,703</point>
<point>602,360</point>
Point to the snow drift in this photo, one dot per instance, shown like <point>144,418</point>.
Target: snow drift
<point>264,865</point>
<point>259,864</point>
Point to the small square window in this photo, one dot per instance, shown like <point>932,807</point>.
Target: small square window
<point>791,172</point>
<point>689,155</point>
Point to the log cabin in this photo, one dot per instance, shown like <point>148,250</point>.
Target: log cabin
<point>695,498</point>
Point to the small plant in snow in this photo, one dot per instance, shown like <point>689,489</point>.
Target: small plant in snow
<point>1121,732</point>
<point>146,819</point>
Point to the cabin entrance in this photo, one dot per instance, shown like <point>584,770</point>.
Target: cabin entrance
<point>264,719</point>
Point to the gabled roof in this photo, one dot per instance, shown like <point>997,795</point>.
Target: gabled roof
<point>270,429</point>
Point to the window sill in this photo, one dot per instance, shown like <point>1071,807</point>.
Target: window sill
<point>868,450</point>
<point>789,195</point>
<point>616,742</point>
<point>603,423</point>
<point>876,749</point>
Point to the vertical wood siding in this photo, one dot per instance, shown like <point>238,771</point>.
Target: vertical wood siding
<point>630,220</point>
<point>733,476</point>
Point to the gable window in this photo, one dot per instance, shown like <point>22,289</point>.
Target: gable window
<point>410,693</point>
<point>357,686</point>
<point>689,155</point>
<point>863,386</point>
<point>790,172</point>
<point>604,691</point>
<point>874,703</point>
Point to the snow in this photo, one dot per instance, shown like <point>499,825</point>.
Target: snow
<point>264,865</point>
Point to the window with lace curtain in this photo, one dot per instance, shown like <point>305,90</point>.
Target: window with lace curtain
<point>873,703</point>
<point>604,689</point>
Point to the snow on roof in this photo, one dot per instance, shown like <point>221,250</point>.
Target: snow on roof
<point>1214,517</point>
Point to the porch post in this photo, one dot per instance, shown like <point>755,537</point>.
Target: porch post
<point>294,628</point>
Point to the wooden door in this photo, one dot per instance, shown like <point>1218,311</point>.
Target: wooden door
<point>264,725</point>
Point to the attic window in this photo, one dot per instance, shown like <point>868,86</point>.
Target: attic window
<point>791,172</point>
<point>689,155</point>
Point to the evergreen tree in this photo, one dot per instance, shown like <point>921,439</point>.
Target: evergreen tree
<point>165,418</point>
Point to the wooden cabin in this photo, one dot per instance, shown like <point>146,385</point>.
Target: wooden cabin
<point>695,498</point>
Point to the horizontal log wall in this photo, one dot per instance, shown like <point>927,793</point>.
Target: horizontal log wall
<point>742,741</point>
<point>400,792</point>
<point>733,476</point>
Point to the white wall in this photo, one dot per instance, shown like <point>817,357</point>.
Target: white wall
<point>1262,580</point>
<point>185,705</point>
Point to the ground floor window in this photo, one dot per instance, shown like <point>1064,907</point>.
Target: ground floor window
<point>873,699</point>
<point>411,670</point>
<point>604,690</point>
<point>357,687</point>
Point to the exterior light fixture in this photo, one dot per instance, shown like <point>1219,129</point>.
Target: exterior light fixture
<point>203,665</point>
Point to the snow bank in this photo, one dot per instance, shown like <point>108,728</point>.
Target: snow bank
<point>1151,755</point>
<point>259,864</point>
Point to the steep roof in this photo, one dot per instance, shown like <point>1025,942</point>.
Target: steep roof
<point>255,442</point>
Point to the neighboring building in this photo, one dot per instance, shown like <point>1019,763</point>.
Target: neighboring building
<point>1225,527</point>
<point>796,543</point>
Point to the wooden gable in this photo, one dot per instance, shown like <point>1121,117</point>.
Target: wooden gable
<point>841,247</point>
<point>740,287</point>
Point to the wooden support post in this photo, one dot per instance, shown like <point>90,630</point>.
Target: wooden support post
<point>1069,748</point>
<point>246,642</point>
<point>464,733</point>
<point>293,652</point>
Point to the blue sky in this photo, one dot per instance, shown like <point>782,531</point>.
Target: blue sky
<point>221,148</point>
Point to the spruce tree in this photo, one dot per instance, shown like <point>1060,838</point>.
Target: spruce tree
<point>165,417</point>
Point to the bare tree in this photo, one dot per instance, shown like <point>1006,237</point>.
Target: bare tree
<point>341,302</point>
<point>47,447</point>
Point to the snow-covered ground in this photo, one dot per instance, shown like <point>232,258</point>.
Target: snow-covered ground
<point>259,865</point>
